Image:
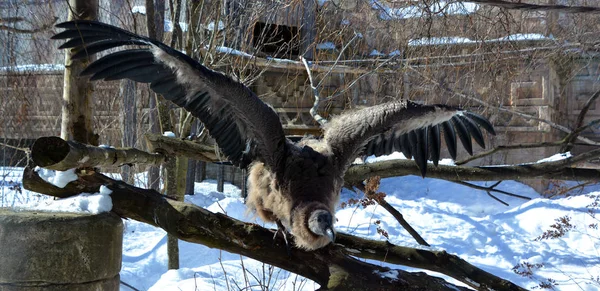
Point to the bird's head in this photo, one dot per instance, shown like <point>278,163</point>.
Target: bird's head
<point>320,222</point>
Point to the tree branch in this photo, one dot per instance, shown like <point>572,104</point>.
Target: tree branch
<point>579,123</point>
<point>179,147</point>
<point>57,154</point>
<point>508,147</point>
<point>380,199</point>
<point>437,261</point>
<point>329,266</point>
<point>332,267</point>
<point>44,27</point>
<point>314,109</point>
<point>492,189</point>
<point>549,170</point>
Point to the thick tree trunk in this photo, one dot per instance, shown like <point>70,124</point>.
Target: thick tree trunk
<point>127,90</point>
<point>330,267</point>
<point>77,108</point>
<point>155,18</point>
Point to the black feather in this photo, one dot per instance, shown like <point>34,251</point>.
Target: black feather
<point>483,122</point>
<point>435,144</point>
<point>406,146</point>
<point>114,59</point>
<point>474,130</point>
<point>421,146</point>
<point>463,134</point>
<point>450,137</point>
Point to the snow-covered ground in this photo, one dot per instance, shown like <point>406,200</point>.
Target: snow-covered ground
<point>451,217</point>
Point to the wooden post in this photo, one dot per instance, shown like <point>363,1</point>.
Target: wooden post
<point>220,177</point>
<point>200,171</point>
<point>77,95</point>
<point>244,186</point>
<point>155,14</point>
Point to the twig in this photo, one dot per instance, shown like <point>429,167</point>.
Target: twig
<point>508,147</point>
<point>500,108</point>
<point>34,30</point>
<point>492,189</point>
<point>314,109</point>
<point>360,77</point>
<point>578,124</point>
<point>25,150</point>
<point>582,185</point>
<point>129,286</point>
<point>394,212</point>
<point>337,59</point>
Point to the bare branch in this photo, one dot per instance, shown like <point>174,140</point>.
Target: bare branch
<point>44,26</point>
<point>314,109</point>
<point>393,211</point>
<point>492,189</point>
<point>579,123</point>
<point>508,147</point>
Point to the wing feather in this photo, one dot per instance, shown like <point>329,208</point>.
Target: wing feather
<point>404,126</point>
<point>243,126</point>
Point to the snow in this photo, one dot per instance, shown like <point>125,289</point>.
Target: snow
<point>376,53</point>
<point>59,179</point>
<point>556,157</point>
<point>92,203</point>
<point>231,51</point>
<point>395,53</point>
<point>417,11</point>
<point>169,134</point>
<point>139,9</point>
<point>168,26</point>
<point>33,68</point>
<point>220,26</point>
<point>451,217</point>
<point>325,46</point>
<point>464,40</point>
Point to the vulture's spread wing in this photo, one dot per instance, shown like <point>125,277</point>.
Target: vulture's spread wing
<point>404,126</point>
<point>243,126</point>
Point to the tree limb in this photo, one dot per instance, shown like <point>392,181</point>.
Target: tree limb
<point>179,147</point>
<point>57,154</point>
<point>559,170</point>
<point>508,147</point>
<point>438,261</point>
<point>331,267</point>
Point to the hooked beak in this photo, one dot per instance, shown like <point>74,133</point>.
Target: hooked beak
<point>330,234</point>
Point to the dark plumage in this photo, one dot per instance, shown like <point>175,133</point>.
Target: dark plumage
<point>294,184</point>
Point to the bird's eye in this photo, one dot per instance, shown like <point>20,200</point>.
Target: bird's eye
<point>319,219</point>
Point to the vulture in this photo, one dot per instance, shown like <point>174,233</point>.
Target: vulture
<point>294,184</point>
